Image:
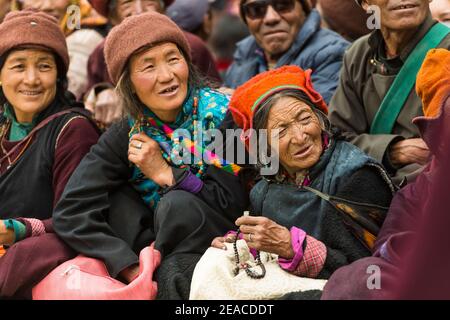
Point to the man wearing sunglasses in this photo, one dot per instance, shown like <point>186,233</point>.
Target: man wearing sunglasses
<point>376,99</point>
<point>287,32</point>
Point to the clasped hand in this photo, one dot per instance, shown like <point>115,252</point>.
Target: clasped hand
<point>261,234</point>
<point>145,153</point>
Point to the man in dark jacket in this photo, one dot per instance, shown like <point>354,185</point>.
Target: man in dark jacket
<point>370,67</point>
<point>284,33</point>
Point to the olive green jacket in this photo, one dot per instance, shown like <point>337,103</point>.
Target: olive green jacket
<point>364,82</point>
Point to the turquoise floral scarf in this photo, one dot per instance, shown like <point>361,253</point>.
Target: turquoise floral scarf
<point>212,108</point>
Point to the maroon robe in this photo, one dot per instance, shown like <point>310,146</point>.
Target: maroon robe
<point>30,260</point>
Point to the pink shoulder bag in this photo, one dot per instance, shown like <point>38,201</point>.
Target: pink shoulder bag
<point>84,278</point>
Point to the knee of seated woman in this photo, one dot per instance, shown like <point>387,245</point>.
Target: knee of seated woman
<point>177,203</point>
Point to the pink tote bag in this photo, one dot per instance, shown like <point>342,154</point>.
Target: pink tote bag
<point>84,278</point>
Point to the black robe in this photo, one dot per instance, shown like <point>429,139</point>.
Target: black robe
<point>100,215</point>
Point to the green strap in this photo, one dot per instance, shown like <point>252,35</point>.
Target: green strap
<point>400,89</point>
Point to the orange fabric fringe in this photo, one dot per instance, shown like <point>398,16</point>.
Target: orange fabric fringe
<point>433,81</point>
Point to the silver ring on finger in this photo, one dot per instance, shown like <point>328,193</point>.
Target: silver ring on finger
<point>249,237</point>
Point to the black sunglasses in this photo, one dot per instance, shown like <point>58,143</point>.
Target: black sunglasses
<point>258,9</point>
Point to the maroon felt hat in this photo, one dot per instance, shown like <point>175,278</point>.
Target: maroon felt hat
<point>139,31</point>
<point>33,28</point>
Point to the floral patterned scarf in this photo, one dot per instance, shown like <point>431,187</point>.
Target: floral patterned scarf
<point>212,108</point>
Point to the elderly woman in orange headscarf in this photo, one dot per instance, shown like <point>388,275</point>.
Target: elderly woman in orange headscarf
<point>292,215</point>
<point>84,29</point>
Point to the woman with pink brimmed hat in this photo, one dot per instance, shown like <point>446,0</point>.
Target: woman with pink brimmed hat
<point>100,98</point>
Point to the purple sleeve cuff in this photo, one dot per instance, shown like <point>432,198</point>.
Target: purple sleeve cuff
<point>297,238</point>
<point>191,183</point>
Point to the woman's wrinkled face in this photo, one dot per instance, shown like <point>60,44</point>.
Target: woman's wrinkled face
<point>300,134</point>
<point>160,79</point>
<point>29,82</point>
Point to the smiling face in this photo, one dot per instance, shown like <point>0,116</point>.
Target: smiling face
<point>398,15</point>
<point>159,77</point>
<point>300,133</point>
<point>275,32</point>
<point>29,82</point>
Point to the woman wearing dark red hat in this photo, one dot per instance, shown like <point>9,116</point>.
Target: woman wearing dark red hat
<point>84,29</point>
<point>101,99</point>
<point>43,136</point>
<point>187,202</point>
<point>302,228</point>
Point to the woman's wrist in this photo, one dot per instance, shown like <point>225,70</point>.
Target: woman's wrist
<point>298,237</point>
<point>164,178</point>
<point>289,252</point>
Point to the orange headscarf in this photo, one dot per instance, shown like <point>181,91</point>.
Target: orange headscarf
<point>433,81</point>
<point>251,95</point>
